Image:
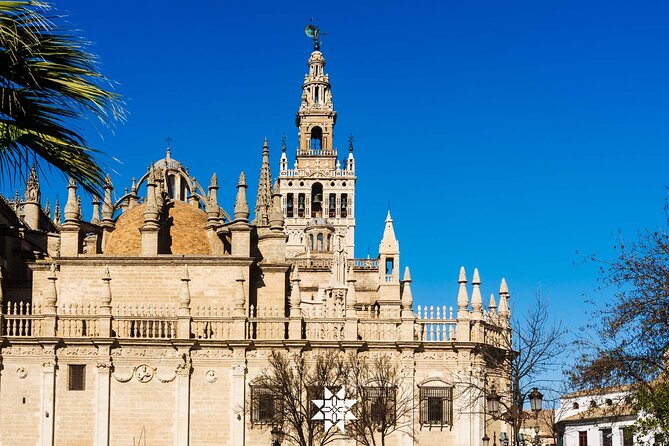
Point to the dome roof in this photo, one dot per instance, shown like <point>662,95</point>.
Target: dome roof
<point>182,232</point>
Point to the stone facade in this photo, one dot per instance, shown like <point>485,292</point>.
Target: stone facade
<point>148,322</point>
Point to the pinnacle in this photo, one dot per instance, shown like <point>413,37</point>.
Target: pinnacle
<point>463,275</point>
<point>407,275</point>
<point>503,288</point>
<point>476,280</point>
<point>242,179</point>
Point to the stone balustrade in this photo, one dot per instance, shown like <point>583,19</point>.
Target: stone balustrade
<point>431,324</point>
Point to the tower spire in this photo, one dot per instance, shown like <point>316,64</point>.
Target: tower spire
<point>264,197</point>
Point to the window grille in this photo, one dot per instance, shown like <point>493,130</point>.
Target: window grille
<point>436,405</point>
<point>76,377</point>
<point>265,405</point>
<point>381,404</point>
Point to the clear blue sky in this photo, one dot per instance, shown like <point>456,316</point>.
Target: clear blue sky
<point>505,135</point>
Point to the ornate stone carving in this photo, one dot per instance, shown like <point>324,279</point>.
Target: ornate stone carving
<point>124,378</point>
<point>144,373</point>
<point>185,367</point>
<point>104,366</point>
<point>166,379</point>
<point>238,370</point>
<point>22,351</point>
<point>21,372</point>
<point>210,376</point>
<point>211,353</point>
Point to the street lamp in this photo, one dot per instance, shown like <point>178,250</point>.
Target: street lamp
<point>493,400</point>
<point>536,398</point>
<point>485,440</point>
<point>277,436</point>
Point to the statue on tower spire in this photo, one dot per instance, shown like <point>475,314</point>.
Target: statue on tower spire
<point>314,33</point>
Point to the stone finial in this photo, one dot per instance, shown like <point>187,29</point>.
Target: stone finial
<point>241,211</point>
<point>463,297</point>
<point>106,294</point>
<point>107,204</point>
<point>184,297</point>
<point>51,297</point>
<point>72,206</point>
<point>407,297</point>
<point>503,310</point>
<point>32,193</point>
<point>276,216</point>
<point>79,208</point>
<point>151,207</point>
<point>240,298</point>
<point>295,293</point>
<point>492,305</point>
<point>477,300</point>
<point>95,219</point>
<point>47,208</point>
<point>212,201</point>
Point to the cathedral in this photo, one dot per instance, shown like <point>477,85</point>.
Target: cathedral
<point>149,323</point>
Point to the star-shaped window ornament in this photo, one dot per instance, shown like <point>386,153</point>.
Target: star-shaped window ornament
<point>334,409</point>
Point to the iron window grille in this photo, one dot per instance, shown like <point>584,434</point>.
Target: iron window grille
<point>436,405</point>
<point>265,405</point>
<point>76,379</point>
<point>380,403</point>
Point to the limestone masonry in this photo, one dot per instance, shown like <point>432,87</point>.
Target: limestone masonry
<point>151,321</point>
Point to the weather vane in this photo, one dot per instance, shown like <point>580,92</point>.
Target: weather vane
<point>312,31</point>
<point>168,140</point>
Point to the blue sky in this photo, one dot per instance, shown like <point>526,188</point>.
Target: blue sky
<point>518,137</point>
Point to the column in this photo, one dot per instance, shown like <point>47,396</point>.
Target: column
<point>48,398</point>
<point>103,385</point>
<point>238,398</point>
<point>183,372</point>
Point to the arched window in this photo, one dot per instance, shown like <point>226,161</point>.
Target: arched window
<point>300,205</point>
<point>170,186</point>
<point>320,242</point>
<point>329,244</point>
<point>289,205</point>
<point>311,241</point>
<point>344,206</point>
<point>316,138</point>
<point>317,200</point>
<point>332,205</point>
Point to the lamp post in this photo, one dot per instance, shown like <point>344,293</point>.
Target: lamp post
<point>277,436</point>
<point>515,413</point>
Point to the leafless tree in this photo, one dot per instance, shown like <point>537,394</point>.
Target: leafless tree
<point>385,404</point>
<point>291,381</point>
<point>520,363</point>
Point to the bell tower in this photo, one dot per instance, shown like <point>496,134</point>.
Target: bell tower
<point>319,190</point>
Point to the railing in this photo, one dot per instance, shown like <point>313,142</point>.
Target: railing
<point>267,323</point>
<point>324,329</point>
<point>20,319</point>
<point>434,326</point>
<point>78,320</point>
<point>372,330</point>
<point>211,323</point>
<point>495,335</point>
<point>366,263</point>
<point>152,321</point>
<point>308,172</point>
<point>325,264</point>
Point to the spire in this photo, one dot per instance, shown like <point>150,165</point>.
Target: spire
<point>477,300</point>
<point>463,297</point>
<point>133,198</point>
<point>263,200</point>
<point>389,244</point>
<point>56,213</point>
<point>284,158</point>
<point>47,208</point>
<point>32,193</point>
<point>276,216</point>
<point>241,211</point>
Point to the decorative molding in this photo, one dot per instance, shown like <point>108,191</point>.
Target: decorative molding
<point>211,377</point>
<point>124,379</point>
<point>144,373</point>
<point>21,372</point>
